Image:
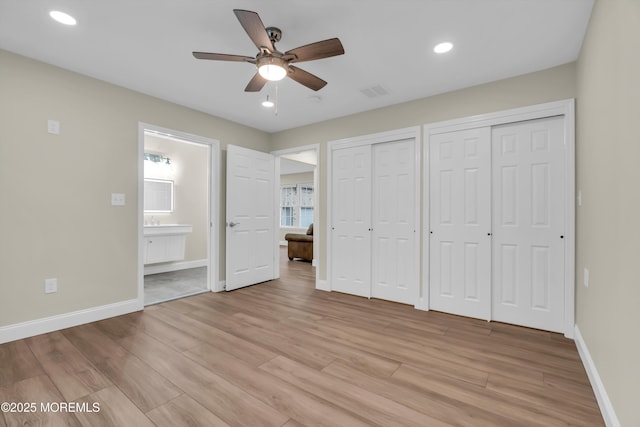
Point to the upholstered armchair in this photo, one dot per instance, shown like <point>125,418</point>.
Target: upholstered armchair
<point>300,245</point>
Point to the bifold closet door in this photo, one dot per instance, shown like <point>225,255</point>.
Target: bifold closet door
<point>393,234</point>
<point>528,223</point>
<point>351,220</point>
<point>460,222</point>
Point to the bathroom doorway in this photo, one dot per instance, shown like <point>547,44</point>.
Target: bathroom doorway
<point>178,209</point>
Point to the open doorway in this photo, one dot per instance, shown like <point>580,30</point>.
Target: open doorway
<point>298,204</point>
<point>178,207</point>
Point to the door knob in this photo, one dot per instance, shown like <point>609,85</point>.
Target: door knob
<point>233,224</point>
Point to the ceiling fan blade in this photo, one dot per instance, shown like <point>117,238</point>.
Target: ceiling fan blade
<point>254,27</point>
<point>306,79</point>
<point>256,83</point>
<point>317,50</point>
<point>222,57</point>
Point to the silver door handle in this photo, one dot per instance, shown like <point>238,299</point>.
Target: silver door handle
<point>233,224</point>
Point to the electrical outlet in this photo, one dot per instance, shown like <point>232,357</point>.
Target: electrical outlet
<point>585,277</point>
<point>50,286</point>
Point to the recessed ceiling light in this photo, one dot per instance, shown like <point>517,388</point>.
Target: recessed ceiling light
<point>63,18</point>
<point>443,47</point>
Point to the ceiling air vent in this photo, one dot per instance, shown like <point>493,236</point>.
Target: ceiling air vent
<point>373,91</point>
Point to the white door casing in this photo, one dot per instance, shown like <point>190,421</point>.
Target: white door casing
<point>351,220</point>
<point>394,230</point>
<point>528,223</point>
<point>460,222</point>
<point>250,217</point>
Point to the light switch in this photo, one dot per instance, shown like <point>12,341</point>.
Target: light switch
<point>117,199</point>
<point>53,126</point>
<point>579,198</point>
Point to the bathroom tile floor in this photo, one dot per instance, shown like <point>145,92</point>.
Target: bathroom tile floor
<point>174,284</point>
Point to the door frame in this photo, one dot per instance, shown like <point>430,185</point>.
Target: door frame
<point>376,138</point>
<point>316,205</point>
<point>213,270</point>
<point>564,108</point>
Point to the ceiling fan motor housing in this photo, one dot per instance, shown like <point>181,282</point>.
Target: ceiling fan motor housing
<point>275,34</point>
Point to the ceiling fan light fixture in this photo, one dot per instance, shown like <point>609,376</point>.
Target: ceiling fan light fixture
<point>268,103</point>
<point>272,68</point>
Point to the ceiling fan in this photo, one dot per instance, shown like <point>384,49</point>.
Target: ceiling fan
<point>272,64</point>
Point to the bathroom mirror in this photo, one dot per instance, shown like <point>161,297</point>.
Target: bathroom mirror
<point>158,195</point>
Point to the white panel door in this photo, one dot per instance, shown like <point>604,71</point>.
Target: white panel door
<point>351,220</point>
<point>460,222</point>
<point>393,250</point>
<point>250,217</point>
<point>528,223</point>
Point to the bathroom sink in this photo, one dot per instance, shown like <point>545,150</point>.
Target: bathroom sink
<point>167,229</point>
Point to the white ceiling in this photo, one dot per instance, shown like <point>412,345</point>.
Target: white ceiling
<point>146,45</point>
<point>288,167</point>
<point>304,161</point>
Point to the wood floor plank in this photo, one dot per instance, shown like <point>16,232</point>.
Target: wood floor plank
<point>424,358</point>
<point>285,397</point>
<point>224,399</point>
<point>70,371</point>
<point>179,339</point>
<point>293,423</point>
<point>570,386</point>
<point>144,386</point>
<point>282,353</point>
<point>37,390</point>
<point>184,411</point>
<point>445,409</point>
<point>115,410</point>
<point>362,360</point>
<point>93,344</point>
<point>273,342</point>
<point>573,411</point>
<point>17,363</point>
<point>244,350</point>
<point>373,407</point>
<point>514,409</point>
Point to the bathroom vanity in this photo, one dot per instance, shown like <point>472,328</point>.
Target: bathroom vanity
<point>165,242</point>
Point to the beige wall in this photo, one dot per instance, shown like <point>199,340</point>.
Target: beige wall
<point>189,171</point>
<point>535,88</point>
<point>57,218</point>
<point>608,151</point>
<point>295,178</point>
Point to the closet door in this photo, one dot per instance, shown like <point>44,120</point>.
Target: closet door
<point>528,223</point>
<point>393,233</point>
<point>460,222</point>
<point>351,220</point>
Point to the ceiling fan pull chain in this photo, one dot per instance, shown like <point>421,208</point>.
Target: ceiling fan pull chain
<point>276,99</point>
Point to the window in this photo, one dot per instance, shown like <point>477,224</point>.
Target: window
<point>296,205</point>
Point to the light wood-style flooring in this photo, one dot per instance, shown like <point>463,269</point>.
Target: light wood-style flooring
<point>284,354</point>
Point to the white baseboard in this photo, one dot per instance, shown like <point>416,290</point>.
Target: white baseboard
<point>32,328</point>
<point>323,285</point>
<point>219,286</point>
<point>174,266</point>
<point>609,415</point>
<point>314,262</point>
